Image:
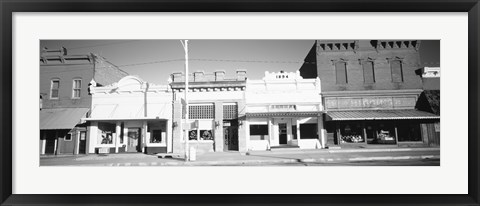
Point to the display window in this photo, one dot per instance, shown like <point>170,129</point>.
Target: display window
<point>351,133</point>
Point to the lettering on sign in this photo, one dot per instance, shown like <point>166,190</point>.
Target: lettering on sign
<point>331,103</point>
<point>378,102</point>
<point>283,107</point>
<point>349,103</point>
<point>404,101</point>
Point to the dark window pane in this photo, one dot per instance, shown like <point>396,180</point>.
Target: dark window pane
<point>341,71</point>
<point>308,131</point>
<point>258,132</point>
<point>368,73</point>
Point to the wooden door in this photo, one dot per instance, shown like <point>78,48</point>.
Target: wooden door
<point>282,133</point>
<point>82,144</point>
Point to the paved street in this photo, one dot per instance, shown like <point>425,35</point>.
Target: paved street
<point>359,157</point>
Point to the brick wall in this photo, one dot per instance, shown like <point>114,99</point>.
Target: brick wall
<point>364,50</point>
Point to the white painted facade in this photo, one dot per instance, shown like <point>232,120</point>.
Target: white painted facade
<point>137,114</point>
<point>284,102</point>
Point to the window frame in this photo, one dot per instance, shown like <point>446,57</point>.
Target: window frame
<point>336,71</point>
<point>71,137</point>
<point>373,71</point>
<point>51,88</point>
<point>79,89</point>
<point>401,70</point>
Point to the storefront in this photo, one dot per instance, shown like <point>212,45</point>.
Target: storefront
<point>284,110</point>
<point>130,116</point>
<point>62,132</point>
<point>393,121</point>
<point>215,102</point>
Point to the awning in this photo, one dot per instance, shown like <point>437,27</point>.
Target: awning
<point>380,115</point>
<point>61,118</point>
<point>284,114</point>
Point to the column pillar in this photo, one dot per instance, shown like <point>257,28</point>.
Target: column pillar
<point>117,135</point>
<point>92,137</point>
<point>243,128</point>
<point>298,132</point>
<point>169,136</point>
<point>270,133</point>
<point>218,130</point>
<point>321,131</point>
<point>177,134</point>
<point>144,135</point>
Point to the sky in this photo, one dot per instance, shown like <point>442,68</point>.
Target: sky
<point>154,60</point>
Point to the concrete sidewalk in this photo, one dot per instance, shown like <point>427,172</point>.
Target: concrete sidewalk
<point>310,156</point>
<point>251,158</point>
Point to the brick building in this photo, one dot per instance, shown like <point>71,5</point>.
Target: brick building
<point>370,89</point>
<point>65,98</point>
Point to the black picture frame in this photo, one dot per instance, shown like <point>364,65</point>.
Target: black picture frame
<point>7,8</point>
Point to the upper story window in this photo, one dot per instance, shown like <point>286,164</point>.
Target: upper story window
<point>341,72</point>
<point>77,88</point>
<point>368,72</point>
<point>201,111</point>
<point>54,87</point>
<point>397,70</point>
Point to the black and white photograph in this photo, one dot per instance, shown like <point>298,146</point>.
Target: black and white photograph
<point>196,102</point>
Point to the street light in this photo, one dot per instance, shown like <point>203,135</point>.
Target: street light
<point>185,47</point>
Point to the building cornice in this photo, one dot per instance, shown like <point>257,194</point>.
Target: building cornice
<point>371,93</point>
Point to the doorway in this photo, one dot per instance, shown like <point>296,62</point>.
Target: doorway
<point>282,133</point>
<point>230,134</point>
<point>82,144</point>
<point>133,143</point>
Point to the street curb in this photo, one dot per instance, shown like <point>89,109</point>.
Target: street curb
<point>308,160</point>
<point>343,151</point>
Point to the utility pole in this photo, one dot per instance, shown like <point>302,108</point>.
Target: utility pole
<point>185,47</point>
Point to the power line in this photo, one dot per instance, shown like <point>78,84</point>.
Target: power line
<point>99,45</point>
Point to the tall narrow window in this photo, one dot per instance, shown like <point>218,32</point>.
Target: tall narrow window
<point>77,87</point>
<point>341,71</point>
<point>54,86</point>
<point>397,71</point>
<point>368,72</point>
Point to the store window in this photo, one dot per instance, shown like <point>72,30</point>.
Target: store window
<point>385,133</point>
<point>106,133</point>
<point>341,72</point>
<point>409,132</point>
<point>156,136</point>
<point>54,87</point>
<point>200,134</point>
<point>258,132</point>
<point>308,131</point>
<point>352,133</point>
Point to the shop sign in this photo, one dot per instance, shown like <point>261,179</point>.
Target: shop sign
<point>226,124</point>
<point>377,103</point>
<point>283,107</point>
